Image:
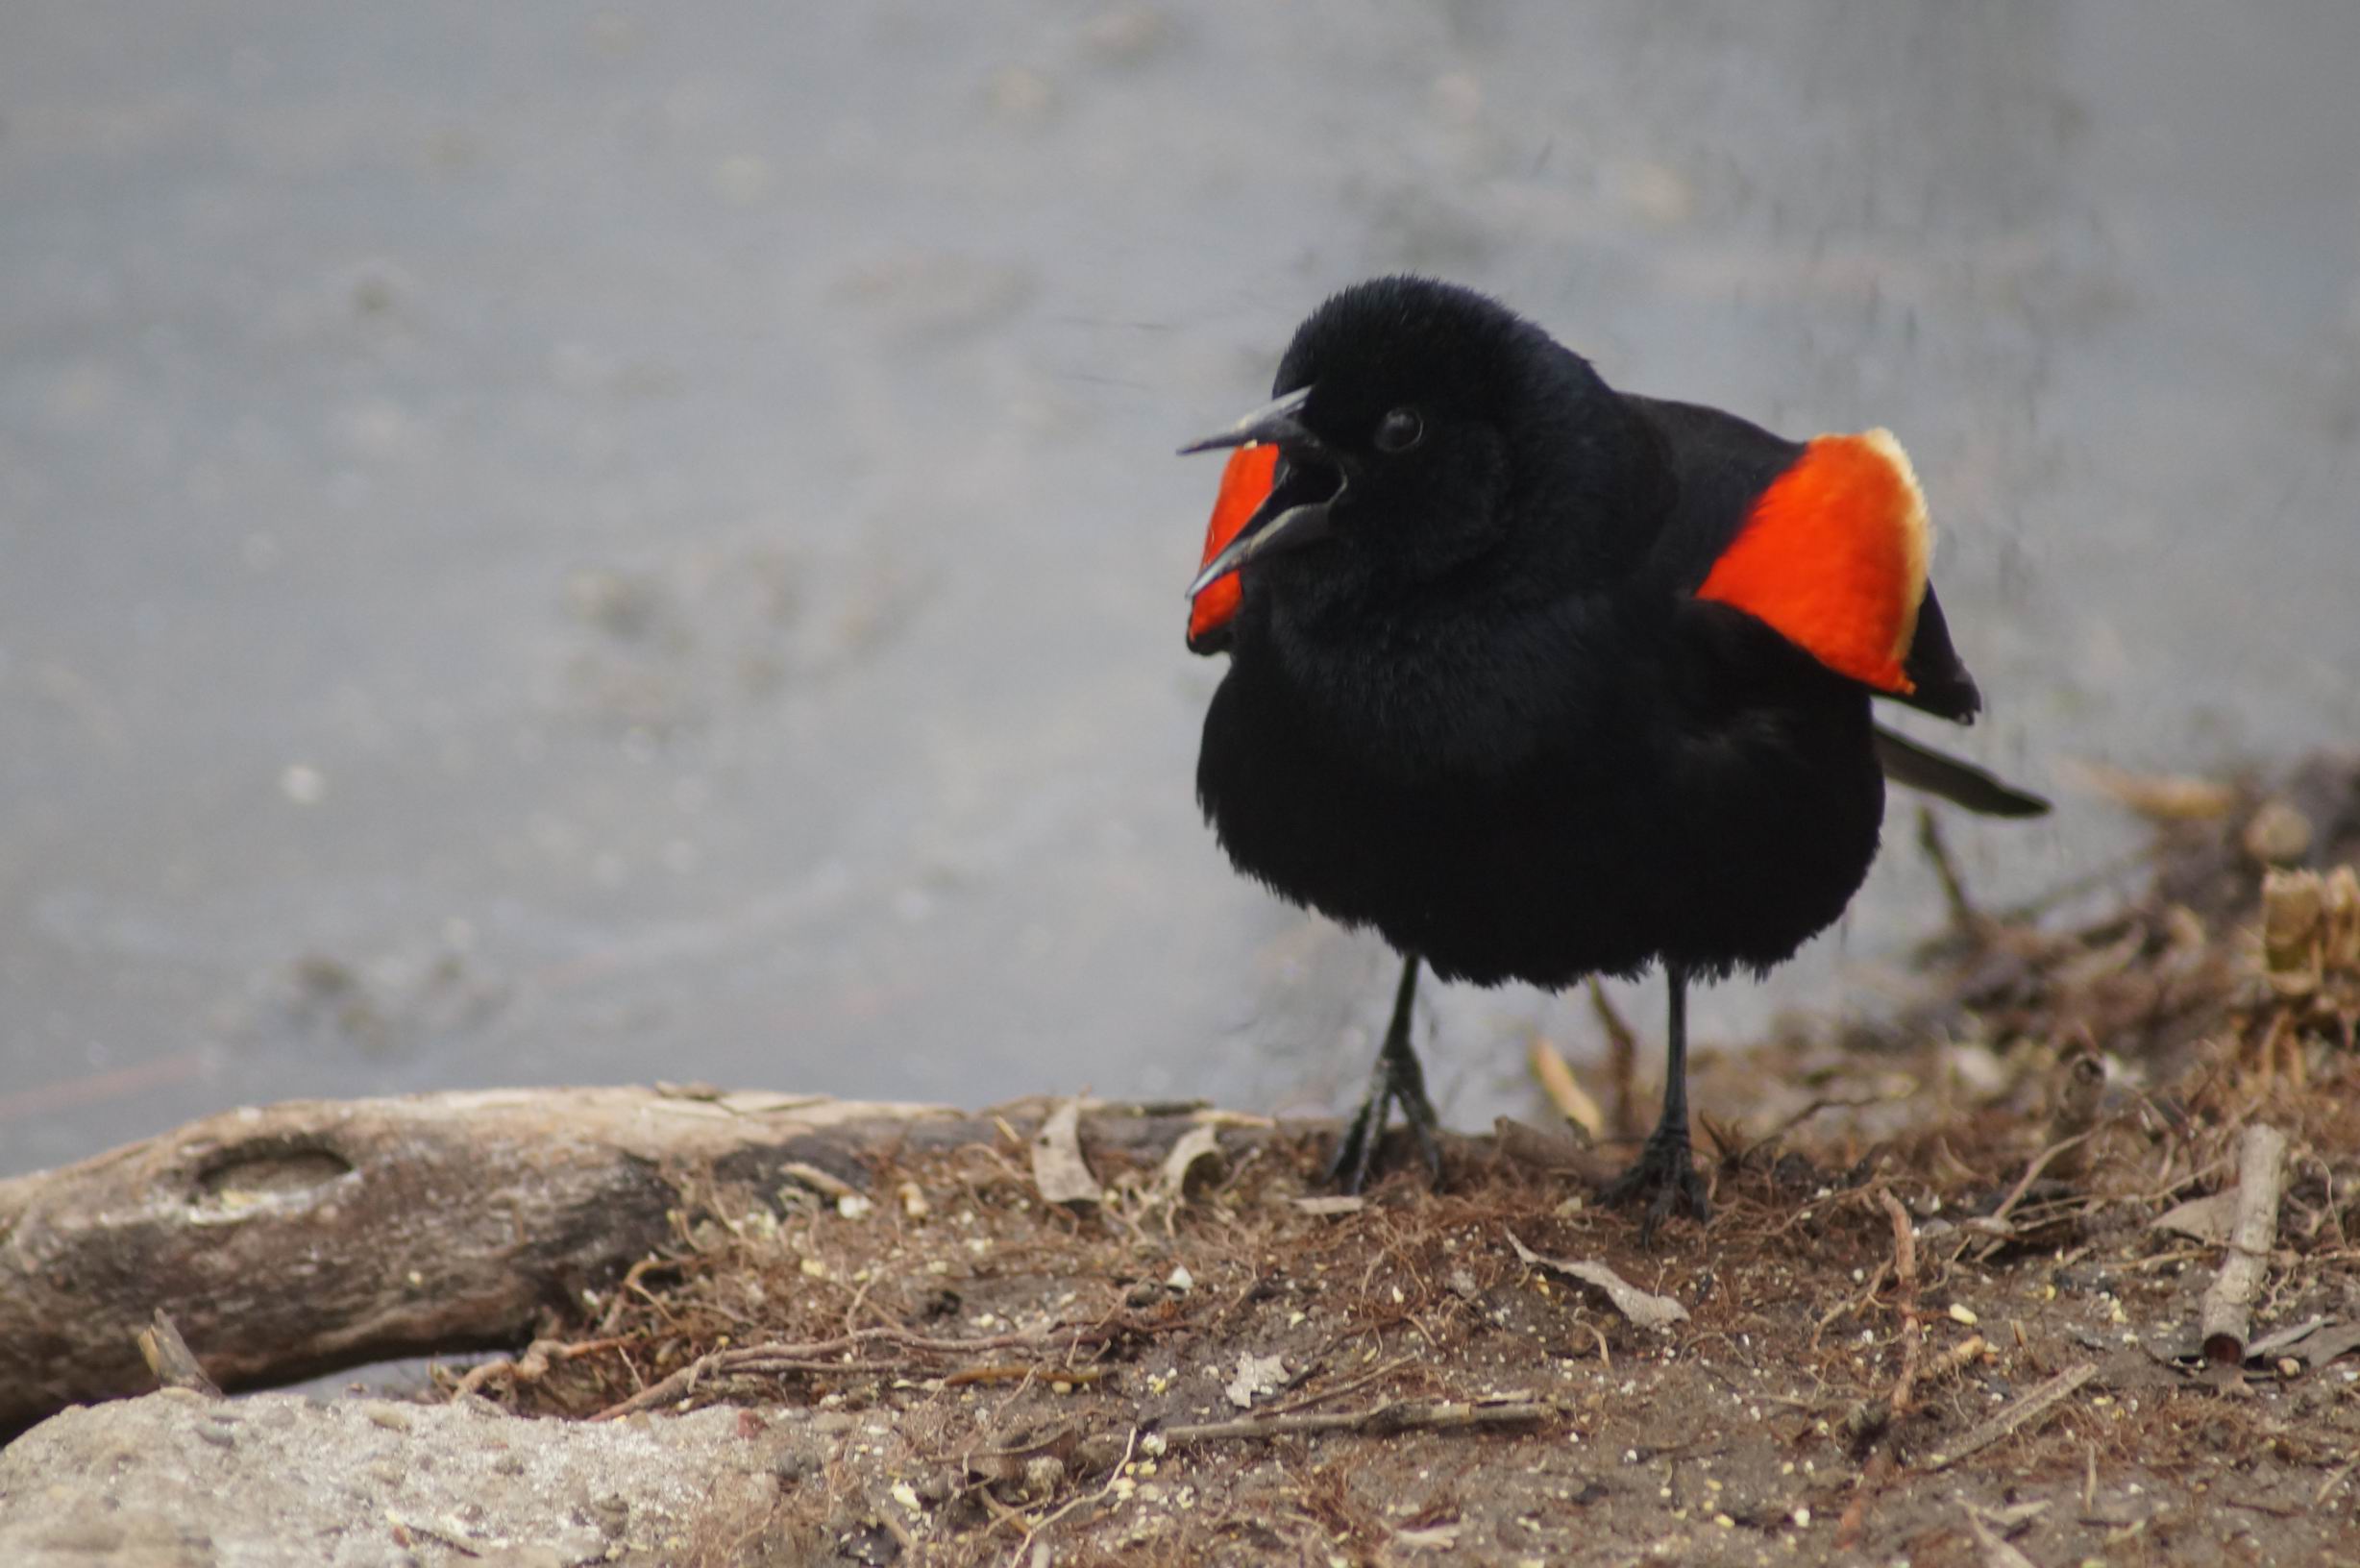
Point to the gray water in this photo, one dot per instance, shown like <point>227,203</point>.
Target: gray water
<point>546,546</point>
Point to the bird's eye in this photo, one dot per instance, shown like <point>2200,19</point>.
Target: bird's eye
<point>1400,431</point>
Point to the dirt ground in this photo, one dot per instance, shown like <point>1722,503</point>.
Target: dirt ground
<point>1950,1309</point>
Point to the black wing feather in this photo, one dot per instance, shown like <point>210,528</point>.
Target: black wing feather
<point>1723,464</point>
<point>1961,783</point>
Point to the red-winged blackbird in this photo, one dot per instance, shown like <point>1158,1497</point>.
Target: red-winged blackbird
<point>1544,680</point>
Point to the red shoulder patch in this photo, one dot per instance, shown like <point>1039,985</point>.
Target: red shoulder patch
<point>1834,556</point>
<point>1245,484</point>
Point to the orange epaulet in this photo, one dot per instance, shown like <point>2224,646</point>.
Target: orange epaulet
<point>1833,555</point>
<point>1245,484</point>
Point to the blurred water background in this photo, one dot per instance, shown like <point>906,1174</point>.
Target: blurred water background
<point>542,544</point>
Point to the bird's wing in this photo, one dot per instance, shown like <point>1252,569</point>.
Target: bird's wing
<point>1961,783</point>
<point>1826,541</point>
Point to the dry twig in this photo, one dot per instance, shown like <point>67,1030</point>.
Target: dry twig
<point>1966,920</point>
<point>2336,1478</point>
<point>2036,1403</point>
<point>2228,1314</point>
<point>1873,1476</point>
<point>1024,1549</point>
<point>534,1364</point>
<point>1622,1061</point>
<point>1994,1227</point>
<point>1904,1280</point>
<point>817,1356</point>
<point>1380,1420</point>
<point>1554,1075</point>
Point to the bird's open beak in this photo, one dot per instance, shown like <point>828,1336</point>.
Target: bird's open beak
<point>1273,421</point>
<point>1275,526</point>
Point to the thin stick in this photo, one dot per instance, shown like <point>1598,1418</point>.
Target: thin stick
<point>1000,1373</point>
<point>1622,1061</point>
<point>2228,1314</point>
<point>2036,1403</point>
<point>1352,1386</point>
<point>1868,1293</point>
<point>2032,1174</point>
<point>1024,1546</point>
<point>811,1355</point>
<point>1872,1480</point>
<point>2337,1477</point>
<point>1997,1220</point>
<point>1905,1279</point>
<point>1392,1416</point>
<point>1965,919</point>
<point>533,1364</point>
<point>1554,1075</point>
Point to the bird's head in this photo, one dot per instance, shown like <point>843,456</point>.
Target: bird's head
<point>1418,427</point>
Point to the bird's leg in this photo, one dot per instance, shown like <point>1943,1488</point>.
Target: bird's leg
<point>1395,1080</point>
<point>1664,1174</point>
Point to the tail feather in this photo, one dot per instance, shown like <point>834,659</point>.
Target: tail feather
<point>1961,783</point>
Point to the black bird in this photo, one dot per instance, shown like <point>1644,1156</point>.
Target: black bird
<point>1544,680</point>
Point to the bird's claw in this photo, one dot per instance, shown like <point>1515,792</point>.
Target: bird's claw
<point>1356,1152</point>
<point>1666,1177</point>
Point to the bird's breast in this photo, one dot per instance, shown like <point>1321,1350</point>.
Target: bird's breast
<point>1524,806</point>
<point>1460,703</point>
<point>1450,803</point>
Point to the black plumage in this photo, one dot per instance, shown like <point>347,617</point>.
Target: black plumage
<point>1474,702</point>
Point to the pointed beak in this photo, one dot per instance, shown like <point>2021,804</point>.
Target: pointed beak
<point>1273,421</point>
<point>1273,529</point>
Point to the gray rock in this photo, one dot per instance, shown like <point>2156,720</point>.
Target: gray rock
<point>368,1483</point>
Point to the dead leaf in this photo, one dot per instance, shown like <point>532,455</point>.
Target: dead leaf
<point>1196,1144</point>
<point>1643,1308</point>
<point>2271,1344</point>
<point>1059,1170</point>
<point>2207,1220</point>
<point>2337,1340</point>
<point>2315,1342</point>
<point>1256,1375</point>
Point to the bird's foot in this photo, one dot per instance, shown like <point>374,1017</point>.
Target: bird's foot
<point>1356,1152</point>
<point>1664,1177</point>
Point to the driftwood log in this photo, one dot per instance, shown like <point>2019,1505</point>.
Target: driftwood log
<point>299,1238</point>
